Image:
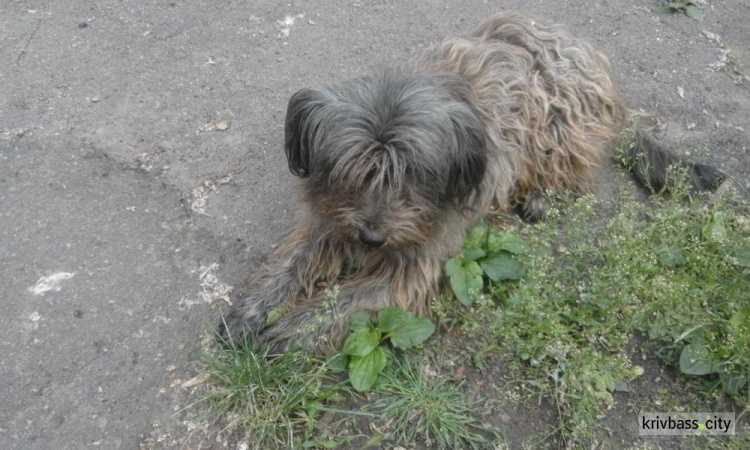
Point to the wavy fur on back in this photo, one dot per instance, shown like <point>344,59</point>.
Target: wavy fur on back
<point>549,103</point>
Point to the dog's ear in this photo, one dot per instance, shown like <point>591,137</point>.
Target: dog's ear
<point>300,130</point>
<point>469,156</point>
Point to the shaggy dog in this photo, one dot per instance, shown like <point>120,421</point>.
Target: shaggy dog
<point>397,165</point>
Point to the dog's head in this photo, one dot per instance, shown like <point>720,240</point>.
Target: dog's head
<point>386,155</point>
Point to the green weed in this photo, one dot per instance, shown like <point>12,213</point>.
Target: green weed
<point>365,353</point>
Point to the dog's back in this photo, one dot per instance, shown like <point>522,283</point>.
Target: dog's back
<point>550,105</point>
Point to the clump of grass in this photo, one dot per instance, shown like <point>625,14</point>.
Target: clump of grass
<point>272,402</point>
<point>675,271</point>
<point>275,402</point>
<point>434,410</point>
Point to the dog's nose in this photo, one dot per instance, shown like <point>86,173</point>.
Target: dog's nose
<point>371,239</point>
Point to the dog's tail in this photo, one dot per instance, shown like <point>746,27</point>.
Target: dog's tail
<point>650,162</point>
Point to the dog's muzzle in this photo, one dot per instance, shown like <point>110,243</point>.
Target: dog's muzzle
<point>371,239</point>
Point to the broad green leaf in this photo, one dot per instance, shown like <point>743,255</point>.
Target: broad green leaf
<point>411,333</point>
<point>364,371</point>
<point>337,362</point>
<point>465,279</point>
<point>361,342</point>
<point>715,230</point>
<point>502,266</point>
<point>359,320</point>
<point>454,266</point>
<point>503,240</point>
<point>694,360</point>
<point>694,12</point>
<point>391,318</point>
<point>473,254</point>
<point>670,256</point>
<point>477,236</point>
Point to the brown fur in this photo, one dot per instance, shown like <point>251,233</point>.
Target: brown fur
<point>548,100</point>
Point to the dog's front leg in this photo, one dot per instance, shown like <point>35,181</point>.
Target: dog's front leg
<point>321,323</point>
<point>276,282</point>
<point>291,272</point>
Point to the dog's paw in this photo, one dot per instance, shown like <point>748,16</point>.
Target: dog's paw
<point>280,338</point>
<point>293,333</point>
<point>240,325</point>
<point>533,209</point>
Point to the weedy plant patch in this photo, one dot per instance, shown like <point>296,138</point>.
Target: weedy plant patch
<point>560,300</point>
<point>676,272</point>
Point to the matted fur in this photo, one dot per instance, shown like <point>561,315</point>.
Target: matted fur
<point>396,165</point>
<point>549,103</point>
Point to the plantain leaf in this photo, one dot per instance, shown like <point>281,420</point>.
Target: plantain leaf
<point>510,242</point>
<point>364,371</point>
<point>502,266</point>
<point>337,362</point>
<point>412,333</point>
<point>465,279</point>
<point>473,254</point>
<point>694,360</point>
<point>391,318</point>
<point>362,342</point>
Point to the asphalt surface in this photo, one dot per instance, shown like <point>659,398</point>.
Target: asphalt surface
<point>142,176</point>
